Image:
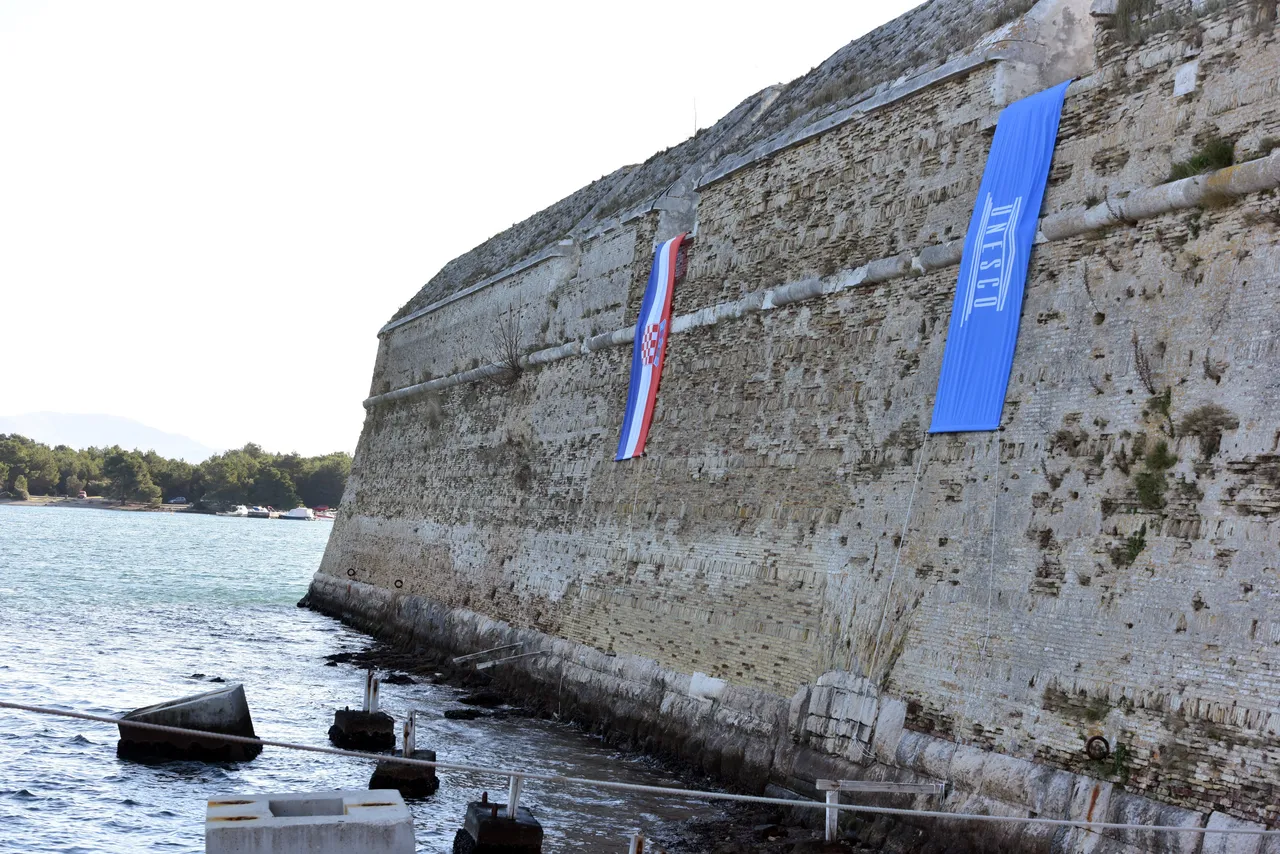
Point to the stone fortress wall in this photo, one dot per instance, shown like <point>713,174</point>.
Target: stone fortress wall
<point>753,593</point>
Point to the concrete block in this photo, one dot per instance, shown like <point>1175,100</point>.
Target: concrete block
<point>371,822</point>
<point>222,711</point>
<point>356,730</point>
<point>487,830</point>
<point>411,781</point>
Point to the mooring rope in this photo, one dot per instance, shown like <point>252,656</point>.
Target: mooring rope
<point>633,787</point>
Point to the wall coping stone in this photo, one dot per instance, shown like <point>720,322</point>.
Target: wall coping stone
<point>1005,50</point>
<point>560,249</point>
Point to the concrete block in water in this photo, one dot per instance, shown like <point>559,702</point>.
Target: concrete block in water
<point>224,711</point>
<point>371,822</point>
<point>411,781</point>
<point>487,830</point>
<point>356,730</point>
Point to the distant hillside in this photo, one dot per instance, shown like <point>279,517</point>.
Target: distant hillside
<point>84,431</point>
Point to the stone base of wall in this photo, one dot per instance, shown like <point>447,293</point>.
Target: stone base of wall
<point>756,741</point>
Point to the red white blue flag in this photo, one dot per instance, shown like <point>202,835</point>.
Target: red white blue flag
<point>652,330</point>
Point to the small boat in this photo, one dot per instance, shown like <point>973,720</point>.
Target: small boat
<point>299,514</point>
<point>238,510</point>
<point>259,512</point>
<point>326,516</point>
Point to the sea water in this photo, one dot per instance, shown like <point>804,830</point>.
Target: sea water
<point>104,611</point>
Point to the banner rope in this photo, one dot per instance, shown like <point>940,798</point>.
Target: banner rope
<point>897,558</point>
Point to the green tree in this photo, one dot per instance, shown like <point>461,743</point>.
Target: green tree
<point>174,477</point>
<point>32,460</point>
<point>325,480</point>
<point>226,478</point>
<point>4,476</point>
<point>273,488</point>
<point>20,488</point>
<point>129,478</point>
<point>73,485</point>
<point>42,470</point>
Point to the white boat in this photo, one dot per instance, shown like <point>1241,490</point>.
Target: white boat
<point>259,512</point>
<point>299,514</point>
<point>239,510</point>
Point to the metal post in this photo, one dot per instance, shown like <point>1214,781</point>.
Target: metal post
<point>410,736</point>
<point>370,691</point>
<point>637,843</point>
<point>833,815</point>
<point>513,796</point>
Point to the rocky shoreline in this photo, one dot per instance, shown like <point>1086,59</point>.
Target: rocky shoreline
<point>735,829</point>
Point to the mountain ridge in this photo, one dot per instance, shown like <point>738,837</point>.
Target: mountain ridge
<point>83,430</point>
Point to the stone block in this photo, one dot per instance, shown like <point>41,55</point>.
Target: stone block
<point>1127,808</point>
<point>223,711</point>
<point>889,730</point>
<point>1006,778</point>
<point>705,687</point>
<point>411,781</point>
<point>1186,78</point>
<point>967,766</point>
<point>371,822</point>
<point>1229,843</point>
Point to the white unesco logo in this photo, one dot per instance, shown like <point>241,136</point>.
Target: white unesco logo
<point>989,274</point>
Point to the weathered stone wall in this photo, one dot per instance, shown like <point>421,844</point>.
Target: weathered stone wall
<point>1104,565</point>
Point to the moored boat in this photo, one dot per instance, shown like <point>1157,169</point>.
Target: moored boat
<point>259,512</point>
<point>299,514</point>
<point>238,510</point>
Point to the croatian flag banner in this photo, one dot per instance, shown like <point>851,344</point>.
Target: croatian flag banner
<point>652,329</point>
<point>993,270</point>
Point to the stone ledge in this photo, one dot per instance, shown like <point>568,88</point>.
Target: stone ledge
<point>1211,189</point>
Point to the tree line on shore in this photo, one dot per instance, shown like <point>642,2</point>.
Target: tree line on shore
<point>247,475</point>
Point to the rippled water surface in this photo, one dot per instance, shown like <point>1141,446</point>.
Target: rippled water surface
<point>105,611</point>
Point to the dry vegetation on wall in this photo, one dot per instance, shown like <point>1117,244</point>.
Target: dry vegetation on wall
<point>506,349</point>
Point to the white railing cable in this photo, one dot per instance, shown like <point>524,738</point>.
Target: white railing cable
<point>637,787</point>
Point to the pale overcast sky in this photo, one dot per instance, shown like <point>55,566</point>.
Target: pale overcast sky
<point>207,210</point>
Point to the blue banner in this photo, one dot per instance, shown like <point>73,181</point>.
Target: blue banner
<point>993,270</point>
